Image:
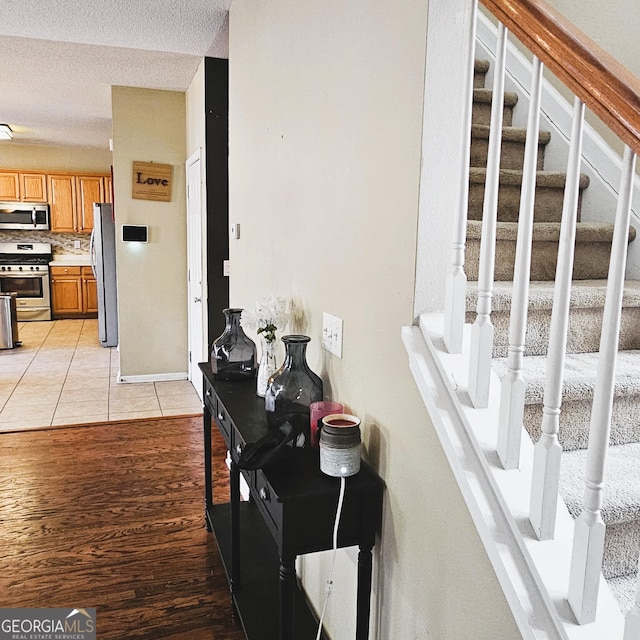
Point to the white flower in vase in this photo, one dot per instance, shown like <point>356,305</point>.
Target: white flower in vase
<point>266,317</point>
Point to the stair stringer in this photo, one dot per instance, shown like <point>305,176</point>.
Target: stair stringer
<point>533,574</point>
<point>599,161</point>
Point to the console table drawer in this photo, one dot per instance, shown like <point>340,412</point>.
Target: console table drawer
<point>220,415</point>
<point>268,503</point>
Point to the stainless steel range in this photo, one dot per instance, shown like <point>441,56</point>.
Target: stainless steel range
<point>24,270</point>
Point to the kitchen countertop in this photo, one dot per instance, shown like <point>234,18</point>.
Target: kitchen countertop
<point>71,260</point>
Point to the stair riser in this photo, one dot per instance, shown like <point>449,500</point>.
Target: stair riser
<point>547,206</point>
<point>575,419</point>
<point>481,114</point>
<point>591,260</point>
<point>585,326</point>
<point>479,79</point>
<point>512,154</point>
<point>621,545</point>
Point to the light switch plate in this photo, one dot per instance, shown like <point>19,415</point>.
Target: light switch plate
<point>332,334</point>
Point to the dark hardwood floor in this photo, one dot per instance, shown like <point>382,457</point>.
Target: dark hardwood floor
<point>112,517</point>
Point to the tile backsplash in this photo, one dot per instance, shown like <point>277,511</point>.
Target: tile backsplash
<point>61,243</point>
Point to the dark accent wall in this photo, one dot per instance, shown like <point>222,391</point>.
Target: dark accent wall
<point>216,98</point>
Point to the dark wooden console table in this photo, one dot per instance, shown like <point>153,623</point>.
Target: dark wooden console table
<point>291,512</point>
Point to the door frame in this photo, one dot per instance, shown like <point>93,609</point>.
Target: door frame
<point>196,250</point>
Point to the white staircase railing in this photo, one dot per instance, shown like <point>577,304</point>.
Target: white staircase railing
<point>542,31</point>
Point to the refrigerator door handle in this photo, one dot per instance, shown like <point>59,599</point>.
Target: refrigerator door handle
<point>92,252</point>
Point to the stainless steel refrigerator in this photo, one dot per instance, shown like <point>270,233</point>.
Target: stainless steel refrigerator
<point>103,262</point>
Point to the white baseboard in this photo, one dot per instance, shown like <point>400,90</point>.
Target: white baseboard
<point>155,377</point>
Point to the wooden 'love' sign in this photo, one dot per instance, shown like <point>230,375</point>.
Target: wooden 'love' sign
<point>151,181</point>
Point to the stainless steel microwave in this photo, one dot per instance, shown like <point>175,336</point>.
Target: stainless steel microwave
<point>24,215</point>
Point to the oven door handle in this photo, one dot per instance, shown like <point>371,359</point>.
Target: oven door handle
<point>24,274</point>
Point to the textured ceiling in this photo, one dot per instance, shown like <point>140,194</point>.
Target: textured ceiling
<point>59,58</point>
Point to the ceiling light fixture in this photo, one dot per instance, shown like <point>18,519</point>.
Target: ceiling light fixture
<point>5,132</point>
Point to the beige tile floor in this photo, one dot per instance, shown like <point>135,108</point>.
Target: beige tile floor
<point>62,375</point>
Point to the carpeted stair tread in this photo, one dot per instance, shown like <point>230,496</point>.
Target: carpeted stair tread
<point>513,177</point>
<point>509,134</point>
<point>621,497</point>
<point>484,96</point>
<point>579,375</point>
<point>511,149</point>
<point>578,387</point>
<point>480,69</point>
<point>549,231</point>
<point>591,259</point>
<point>620,503</point>
<point>587,300</point>
<point>481,66</point>
<point>585,294</point>
<point>481,111</point>
<point>549,192</point>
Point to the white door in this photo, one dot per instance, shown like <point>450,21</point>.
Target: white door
<point>197,308</point>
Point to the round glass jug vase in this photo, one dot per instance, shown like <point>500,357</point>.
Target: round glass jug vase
<point>234,354</point>
<point>292,388</point>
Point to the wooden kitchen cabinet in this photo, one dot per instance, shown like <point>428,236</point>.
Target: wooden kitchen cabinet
<point>16,186</point>
<point>70,195</point>
<point>33,187</point>
<point>62,202</point>
<point>73,292</point>
<point>71,199</point>
<point>9,185</point>
<point>89,292</point>
<point>89,189</point>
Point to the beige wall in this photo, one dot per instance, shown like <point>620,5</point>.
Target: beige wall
<point>149,126</point>
<point>325,132</point>
<point>611,25</point>
<point>53,158</point>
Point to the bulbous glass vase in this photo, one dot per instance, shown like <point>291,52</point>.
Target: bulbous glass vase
<point>292,388</point>
<point>234,354</point>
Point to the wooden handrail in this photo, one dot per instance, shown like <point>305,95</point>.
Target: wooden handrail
<point>606,87</point>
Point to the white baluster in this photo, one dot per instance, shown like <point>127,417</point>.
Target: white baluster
<point>548,451</point>
<point>513,385</point>
<point>588,540</point>
<point>482,329</point>
<point>456,287</point>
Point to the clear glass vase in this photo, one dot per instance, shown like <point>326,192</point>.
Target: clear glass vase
<point>292,388</point>
<point>267,366</point>
<point>234,354</point>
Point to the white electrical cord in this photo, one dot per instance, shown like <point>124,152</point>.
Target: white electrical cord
<point>343,484</point>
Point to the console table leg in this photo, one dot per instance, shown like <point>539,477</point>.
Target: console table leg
<point>234,487</point>
<point>363,606</point>
<point>287,598</point>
